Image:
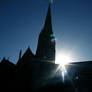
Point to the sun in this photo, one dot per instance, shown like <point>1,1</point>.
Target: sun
<point>63,59</point>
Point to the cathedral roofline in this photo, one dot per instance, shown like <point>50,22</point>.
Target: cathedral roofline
<point>28,54</point>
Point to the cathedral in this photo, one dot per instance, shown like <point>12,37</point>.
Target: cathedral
<point>39,73</point>
<point>42,65</point>
<point>46,45</point>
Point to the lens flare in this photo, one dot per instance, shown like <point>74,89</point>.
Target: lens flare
<point>63,60</point>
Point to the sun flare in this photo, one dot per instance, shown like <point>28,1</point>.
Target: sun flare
<point>63,59</point>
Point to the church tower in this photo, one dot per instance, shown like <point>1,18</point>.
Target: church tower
<point>46,43</point>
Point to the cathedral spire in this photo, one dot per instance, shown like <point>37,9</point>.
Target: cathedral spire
<point>46,43</point>
<point>20,53</point>
<point>48,20</point>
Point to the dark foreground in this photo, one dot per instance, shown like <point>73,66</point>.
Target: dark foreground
<point>44,78</point>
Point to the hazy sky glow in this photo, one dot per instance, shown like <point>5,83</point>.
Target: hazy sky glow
<point>21,22</point>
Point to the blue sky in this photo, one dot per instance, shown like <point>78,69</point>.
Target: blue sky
<point>21,22</point>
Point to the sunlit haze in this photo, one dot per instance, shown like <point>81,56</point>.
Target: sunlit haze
<point>63,59</point>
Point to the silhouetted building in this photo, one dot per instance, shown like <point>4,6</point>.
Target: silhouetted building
<point>46,43</point>
<point>40,67</point>
<point>20,54</point>
<point>7,66</point>
<point>40,73</point>
<point>26,58</point>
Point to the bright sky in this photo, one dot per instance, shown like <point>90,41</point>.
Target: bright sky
<point>21,22</point>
